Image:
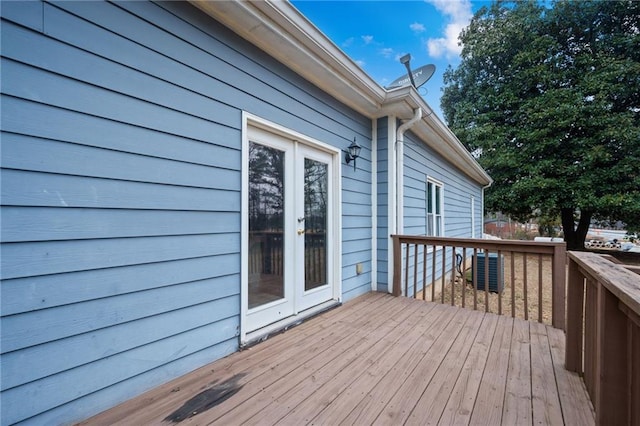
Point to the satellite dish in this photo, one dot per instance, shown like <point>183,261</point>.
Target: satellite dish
<point>420,76</point>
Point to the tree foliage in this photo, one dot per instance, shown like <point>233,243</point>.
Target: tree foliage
<point>549,101</point>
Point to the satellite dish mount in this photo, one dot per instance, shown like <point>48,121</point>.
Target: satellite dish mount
<point>405,60</point>
<point>417,77</point>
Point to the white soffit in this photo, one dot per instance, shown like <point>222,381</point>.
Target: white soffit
<point>280,30</point>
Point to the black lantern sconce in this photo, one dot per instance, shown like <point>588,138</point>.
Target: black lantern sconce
<point>353,153</point>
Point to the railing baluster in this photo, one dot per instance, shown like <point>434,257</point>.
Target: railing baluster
<point>406,271</point>
<point>540,288</point>
<point>513,284</point>
<point>444,268</point>
<point>486,280</point>
<point>464,276</point>
<point>433,273</point>
<point>453,275</point>
<point>524,288</point>
<point>424,272</point>
<point>415,271</point>
<point>475,278</point>
<point>500,282</point>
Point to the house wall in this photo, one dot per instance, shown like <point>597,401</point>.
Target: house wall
<point>121,189</point>
<point>420,163</point>
<point>459,193</point>
<point>383,231</point>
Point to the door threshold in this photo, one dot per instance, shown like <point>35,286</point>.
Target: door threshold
<point>285,324</point>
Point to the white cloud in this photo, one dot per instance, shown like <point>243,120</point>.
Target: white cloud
<point>348,42</point>
<point>458,15</point>
<point>367,39</point>
<point>360,63</point>
<point>417,27</point>
<point>386,52</point>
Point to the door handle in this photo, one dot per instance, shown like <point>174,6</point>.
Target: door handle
<point>301,231</point>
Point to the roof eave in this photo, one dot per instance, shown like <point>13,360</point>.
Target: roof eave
<point>280,30</point>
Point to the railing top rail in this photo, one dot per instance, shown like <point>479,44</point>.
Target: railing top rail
<point>542,247</point>
<point>620,281</point>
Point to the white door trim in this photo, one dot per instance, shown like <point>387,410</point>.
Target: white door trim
<point>250,120</point>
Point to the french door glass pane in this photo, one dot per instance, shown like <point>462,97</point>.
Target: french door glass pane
<point>315,221</point>
<point>266,224</point>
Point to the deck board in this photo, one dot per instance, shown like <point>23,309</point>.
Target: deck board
<point>463,396</point>
<point>381,360</point>
<point>517,399</point>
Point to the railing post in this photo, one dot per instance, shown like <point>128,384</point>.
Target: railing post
<point>397,266</point>
<point>612,377</point>
<point>558,280</point>
<point>574,329</point>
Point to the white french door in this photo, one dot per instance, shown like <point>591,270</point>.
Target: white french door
<point>291,196</point>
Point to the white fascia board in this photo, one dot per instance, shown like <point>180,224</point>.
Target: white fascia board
<point>280,30</point>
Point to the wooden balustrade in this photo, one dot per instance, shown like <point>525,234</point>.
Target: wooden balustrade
<point>266,255</point>
<point>433,268</point>
<point>603,335</point>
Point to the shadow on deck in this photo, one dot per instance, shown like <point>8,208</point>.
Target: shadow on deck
<point>384,360</point>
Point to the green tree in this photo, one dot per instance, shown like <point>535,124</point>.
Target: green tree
<point>549,101</point>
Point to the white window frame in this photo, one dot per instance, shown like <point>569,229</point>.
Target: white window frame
<point>431,219</point>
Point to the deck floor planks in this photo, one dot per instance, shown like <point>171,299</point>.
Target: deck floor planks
<point>403,336</point>
<point>517,398</point>
<point>390,365</point>
<point>368,409</point>
<point>544,392</point>
<point>463,396</point>
<point>405,399</point>
<point>431,404</point>
<point>490,400</point>
<point>385,360</point>
<point>166,398</point>
<point>288,390</point>
<point>575,403</point>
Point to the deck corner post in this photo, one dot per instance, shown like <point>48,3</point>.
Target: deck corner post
<point>397,266</point>
<point>574,328</point>
<point>559,283</point>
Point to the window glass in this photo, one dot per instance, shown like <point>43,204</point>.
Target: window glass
<point>435,223</point>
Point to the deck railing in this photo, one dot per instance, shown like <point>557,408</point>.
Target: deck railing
<point>523,278</point>
<point>603,335</point>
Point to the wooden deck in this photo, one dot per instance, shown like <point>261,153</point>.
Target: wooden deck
<point>379,360</point>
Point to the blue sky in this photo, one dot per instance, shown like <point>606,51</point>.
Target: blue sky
<point>375,34</point>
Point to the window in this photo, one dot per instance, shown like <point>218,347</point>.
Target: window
<point>435,222</point>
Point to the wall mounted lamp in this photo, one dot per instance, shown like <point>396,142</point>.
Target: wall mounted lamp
<point>353,153</point>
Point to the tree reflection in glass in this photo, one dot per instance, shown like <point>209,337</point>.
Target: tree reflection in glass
<point>266,224</point>
<point>315,214</point>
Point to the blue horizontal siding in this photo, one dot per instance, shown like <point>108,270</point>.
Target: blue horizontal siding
<point>47,122</point>
<point>111,370</point>
<point>78,160</point>
<point>67,353</point>
<point>420,163</point>
<point>70,320</point>
<point>121,167</point>
<point>27,188</point>
<point>383,232</point>
<point>27,294</point>
<point>56,224</point>
<point>55,257</point>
